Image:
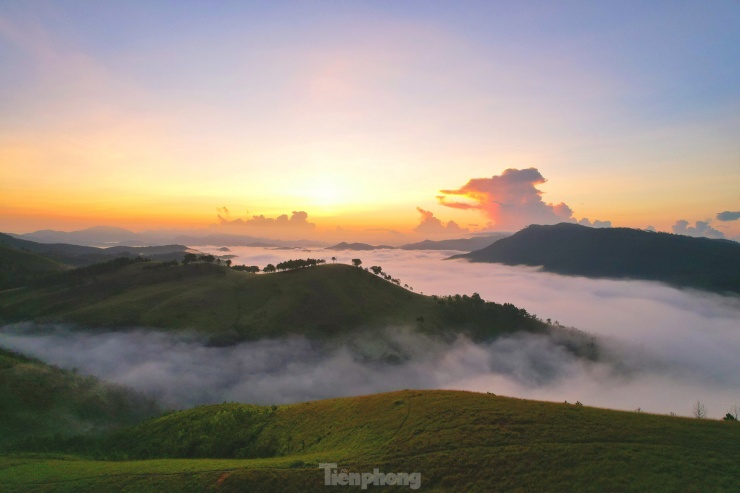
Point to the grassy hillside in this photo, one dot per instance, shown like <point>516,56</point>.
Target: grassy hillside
<point>38,399</point>
<point>458,441</point>
<point>572,249</point>
<point>18,268</point>
<point>317,302</point>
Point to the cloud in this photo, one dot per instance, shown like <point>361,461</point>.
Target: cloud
<point>297,220</point>
<point>431,225</point>
<point>651,229</point>
<point>701,229</point>
<point>728,216</point>
<point>181,370</point>
<point>511,200</point>
<point>595,224</point>
<point>665,348</point>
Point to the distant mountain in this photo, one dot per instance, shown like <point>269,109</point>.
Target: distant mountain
<point>358,246</point>
<point>95,236</point>
<point>462,244</point>
<point>572,249</point>
<point>80,256</point>
<point>106,236</point>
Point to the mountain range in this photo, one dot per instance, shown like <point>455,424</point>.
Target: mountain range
<point>620,253</point>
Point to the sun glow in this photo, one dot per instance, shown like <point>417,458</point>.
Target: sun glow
<point>325,193</point>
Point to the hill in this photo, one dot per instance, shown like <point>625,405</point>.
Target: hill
<point>81,256</point>
<point>620,253</point>
<point>229,306</point>
<point>455,441</point>
<point>18,268</point>
<point>462,244</point>
<point>38,399</point>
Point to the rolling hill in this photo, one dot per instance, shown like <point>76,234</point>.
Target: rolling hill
<point>38,399</point>
<point>456,441</point>
<point>620,253</point>
<point>18,267</point>
<point>229,306</point>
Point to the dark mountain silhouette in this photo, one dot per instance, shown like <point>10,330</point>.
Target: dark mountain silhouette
<point>572,249</point>
<point>95,236</point>
<point>81,256</point>
<point>358,246</point>
<point>462,244</point>
<point>105,236</point>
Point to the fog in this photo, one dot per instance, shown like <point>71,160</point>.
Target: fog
<point>666,348</point>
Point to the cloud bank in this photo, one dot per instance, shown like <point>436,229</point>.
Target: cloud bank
<point>297,220</point>
<point>430,225</point>
<point>596,224</point>
<point>701,229</point>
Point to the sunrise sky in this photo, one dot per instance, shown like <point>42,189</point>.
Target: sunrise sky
<point>370,115</point>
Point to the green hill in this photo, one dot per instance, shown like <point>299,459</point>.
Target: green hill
<point>457,441</point>
<point>229,306</point>
<point>572,249</point>
<point>18,267</point>
<point>38,399</point>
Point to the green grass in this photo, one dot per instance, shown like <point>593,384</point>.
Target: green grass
<point>458,441</point>
<point>230,306</point>
<point>38,399</point>
<point>18,268</point>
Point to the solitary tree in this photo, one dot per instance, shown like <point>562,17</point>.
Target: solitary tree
<point>356,262</point>
<point>189,257</point>
<point>228,262</point>
<point>699,411</point>
<point>333,260</point>
<point>269,268</point>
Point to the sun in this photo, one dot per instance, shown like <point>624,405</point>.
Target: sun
<point>325,192</point>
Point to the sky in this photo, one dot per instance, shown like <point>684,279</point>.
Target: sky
<point>420,117</point>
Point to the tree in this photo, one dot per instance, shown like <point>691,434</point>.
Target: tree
<point>189,257</point>
<point>699,411</point>
<point>376,269</point>
<point>333,260</point>
<point>735,412</point>
<point>269,268</point>
<point>356,262</point>
<point>729,417</point>
<point>228,262</point>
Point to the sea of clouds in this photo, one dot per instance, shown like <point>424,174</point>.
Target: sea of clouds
<point>666,348</point>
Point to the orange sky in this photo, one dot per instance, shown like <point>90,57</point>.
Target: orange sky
<point>360,114</point>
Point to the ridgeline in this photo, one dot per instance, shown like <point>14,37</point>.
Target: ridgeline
<point>621,253</point>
